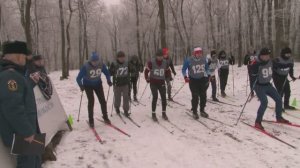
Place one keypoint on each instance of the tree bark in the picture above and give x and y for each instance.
(161, 12)
(138, 41)
(240, 42)
(62, 26)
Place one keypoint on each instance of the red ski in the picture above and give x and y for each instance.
(96, 134)
(114, 127)
(289, 124)
(269, 134)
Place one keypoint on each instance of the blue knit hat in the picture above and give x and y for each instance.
(94, 57)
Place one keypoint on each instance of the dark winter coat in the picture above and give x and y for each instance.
(18, 112)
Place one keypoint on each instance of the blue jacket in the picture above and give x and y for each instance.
(186, 66)
(84, 80)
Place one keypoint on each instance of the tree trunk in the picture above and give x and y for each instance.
(26, 20)
(161, 12)
(62, 25)
(138, 30)
(68, 36)
(279, 26)
(270, 15)
(240, 42)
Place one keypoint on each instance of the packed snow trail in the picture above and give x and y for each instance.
(153, 147)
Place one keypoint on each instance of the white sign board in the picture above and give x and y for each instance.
(52, 118)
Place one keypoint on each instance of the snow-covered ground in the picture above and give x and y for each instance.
(151, 146)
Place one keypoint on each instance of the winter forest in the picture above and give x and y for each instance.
(65, 32)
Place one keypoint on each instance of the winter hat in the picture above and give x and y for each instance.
(94, 57)
(264, 51)
(37, 57)
(159, 52)
(222, 53)
(285, 51)
(165, 51)
(197, 50)
(120, 54)
(14, 47)
(213, 52)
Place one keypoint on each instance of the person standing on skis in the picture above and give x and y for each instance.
(198, 78)
(282, 67)
(213, 66)
(169, 79)
(159, 71)
(224, 61)
(121, 81)
(262, 69)
(136, 67)
(89, 80)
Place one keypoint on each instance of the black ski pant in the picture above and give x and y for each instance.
(223, 74)
(91, 100)
(133, 85)
(283, 90)
(161, 88)
(213, 86)
(251, 80)
(198, 89)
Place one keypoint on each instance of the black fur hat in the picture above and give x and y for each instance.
(15, 47)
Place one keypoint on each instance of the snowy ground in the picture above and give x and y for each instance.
(153, 147)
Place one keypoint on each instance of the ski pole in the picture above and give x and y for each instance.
(112, 106)
(107, 94)
(233, 78)
(247, 84)
(178, 90)
(79, 106)
(144, 91)
(244, 106)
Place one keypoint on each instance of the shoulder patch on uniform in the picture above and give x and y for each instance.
(12, 85)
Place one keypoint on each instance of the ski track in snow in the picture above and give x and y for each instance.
(153, 147)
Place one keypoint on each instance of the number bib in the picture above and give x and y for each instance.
(158, 72)
(122, 70)
(93, 73)
(224, 63)
(284, 71)
(197, 67)
(265, 73)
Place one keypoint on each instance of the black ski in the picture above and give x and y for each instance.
(163, 126)
(131, 120)
(176, 126)
(221, 102)
(122, 119)
(269, 134)
(95, 133)
(189, 114)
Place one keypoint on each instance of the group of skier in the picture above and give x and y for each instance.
(198, 71)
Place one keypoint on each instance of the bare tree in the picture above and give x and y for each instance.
(63, 47)
(161, 13)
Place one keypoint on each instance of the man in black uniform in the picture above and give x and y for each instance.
(172, 68)
(18, 112)
(249, 59)
(136, 67)
(282, 67)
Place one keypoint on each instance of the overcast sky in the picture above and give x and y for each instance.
(111, 2)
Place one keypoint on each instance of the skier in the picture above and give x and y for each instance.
(159, 71)
(262, 69)
(282, 67)
(121, 81)
(136, 67)
(224, 61)
(89, 80)
(198, 79)
(248, 60)
(18, 112)
(169, 79)
(213, 66)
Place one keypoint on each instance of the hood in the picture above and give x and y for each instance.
(4, 65)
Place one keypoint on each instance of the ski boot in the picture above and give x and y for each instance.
(118, 111)
(135, 98)
(154, 118)
(91, 123)
(170, 98)
(195, 116)
(259, 126)
(223, 94)
(215, 99)
(203, 114)
(288, 107)
(106, 120)
(126, 113)
(282, 120)
(164, 116)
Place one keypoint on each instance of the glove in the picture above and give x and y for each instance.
(81, 88)
(186, 79)
(148, 80)
(294, 79)
(212, 78)
(174, 73)
(109, 83)
(171, 79)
